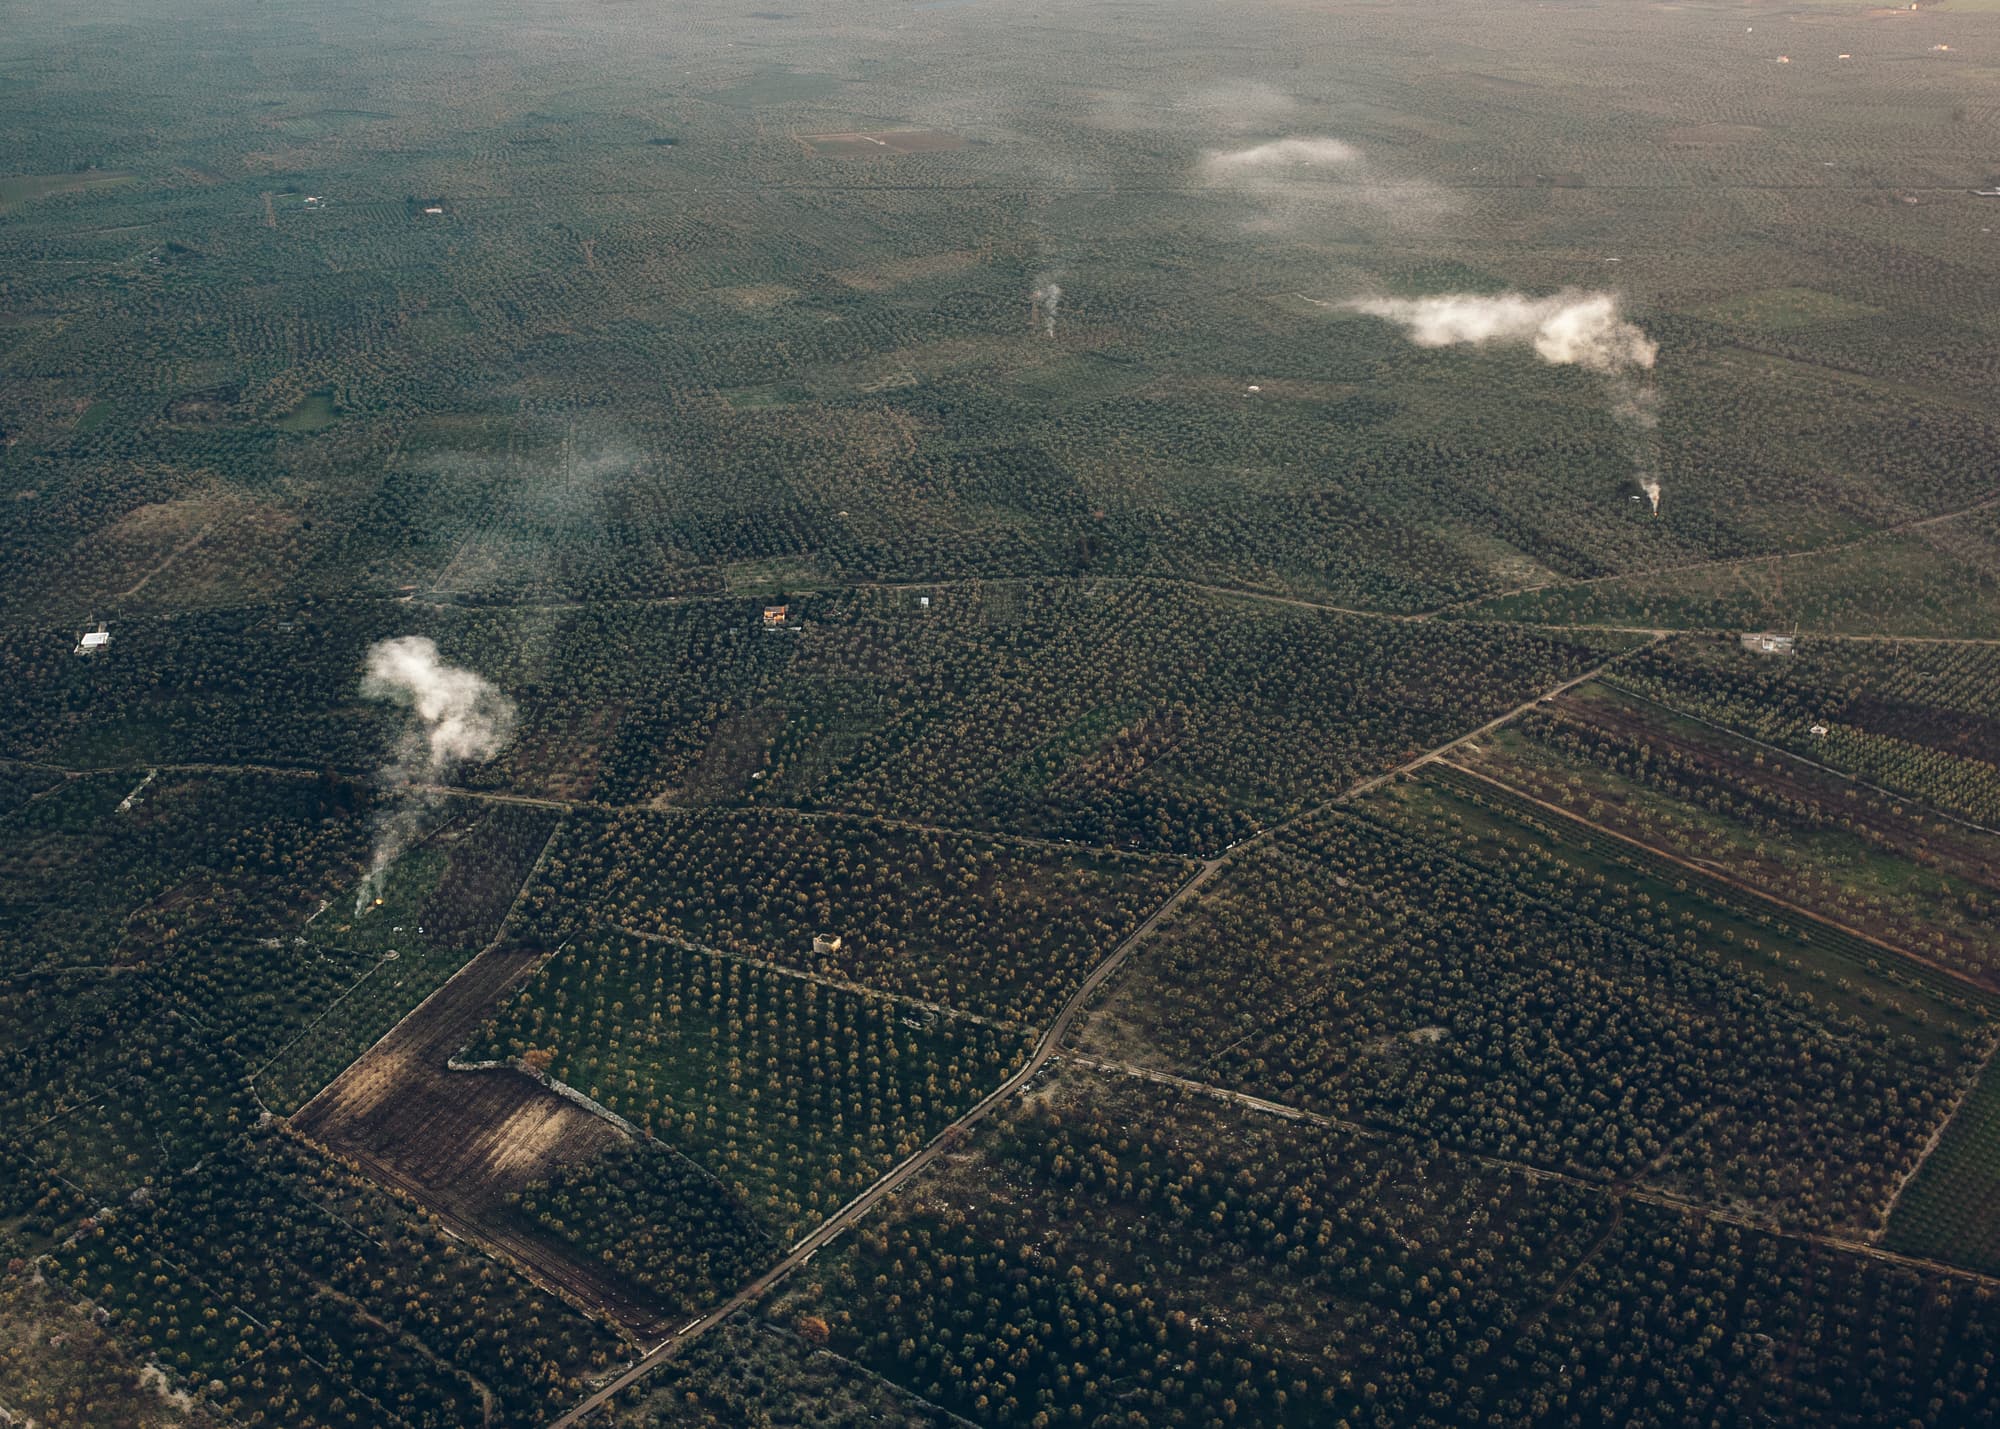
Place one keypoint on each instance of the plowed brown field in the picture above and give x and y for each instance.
(460, 1142)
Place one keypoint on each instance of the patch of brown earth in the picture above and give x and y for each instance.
(460, 1143)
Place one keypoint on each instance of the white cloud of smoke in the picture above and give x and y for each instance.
(1298, 178)
(1047, 296)
(1281, 156)
(456, 717)
(1566, 329)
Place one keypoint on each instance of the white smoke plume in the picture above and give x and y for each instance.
(1282, 156)
(1046, 298)
(1566, 329)
(455, 717)
(1299, 179)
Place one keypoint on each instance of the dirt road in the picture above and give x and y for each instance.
(899, 1175)
(460, 1142)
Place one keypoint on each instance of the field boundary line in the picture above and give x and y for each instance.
(399, 1187)
(821, 980)
(1046, 1049)
(1616, 1191)
(1937, 1137)
(499, 935)
(1778, 749)
(1368, 785)
(289, 771)
(306, 1031)
(839, 1222)
(957, 831)
(167, 560)
(1915, 523)
(1734, 884)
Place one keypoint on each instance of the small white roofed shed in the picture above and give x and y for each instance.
(93, 640)
(1767, 643)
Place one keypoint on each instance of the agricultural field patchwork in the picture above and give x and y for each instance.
(755, 1372)
(1312, 1274)
(1922, 891)
(1916, 719)
(287, 1249)
(1934, 579)
(1436, 964)
(795, 1096)
(1139, 717)
(969, 924)
(1943, 1210)
(960, 714)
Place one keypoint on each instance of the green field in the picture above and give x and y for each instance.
(1945, 1211)
(20, 189)
(315, 412)
(806, 1100)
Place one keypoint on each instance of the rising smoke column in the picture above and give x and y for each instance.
(1046, 297)
(455, 717)
(1566, 329)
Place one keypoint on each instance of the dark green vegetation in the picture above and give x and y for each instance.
(658, 1217)
(1630, 1062)
(1443, 968)
(334, 1305)
(1940, 578)
(174, 961)
(1916, 719)
(97, 873)
(1000, 929)
(1120, 1254)
(443, 900)
(1726, 809)
(1156, 716)
(751, 1372)
(531, 393)
(1131, 715)
(795, 1094)
(1946, 1211)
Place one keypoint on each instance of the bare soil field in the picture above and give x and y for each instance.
(461, 1142)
